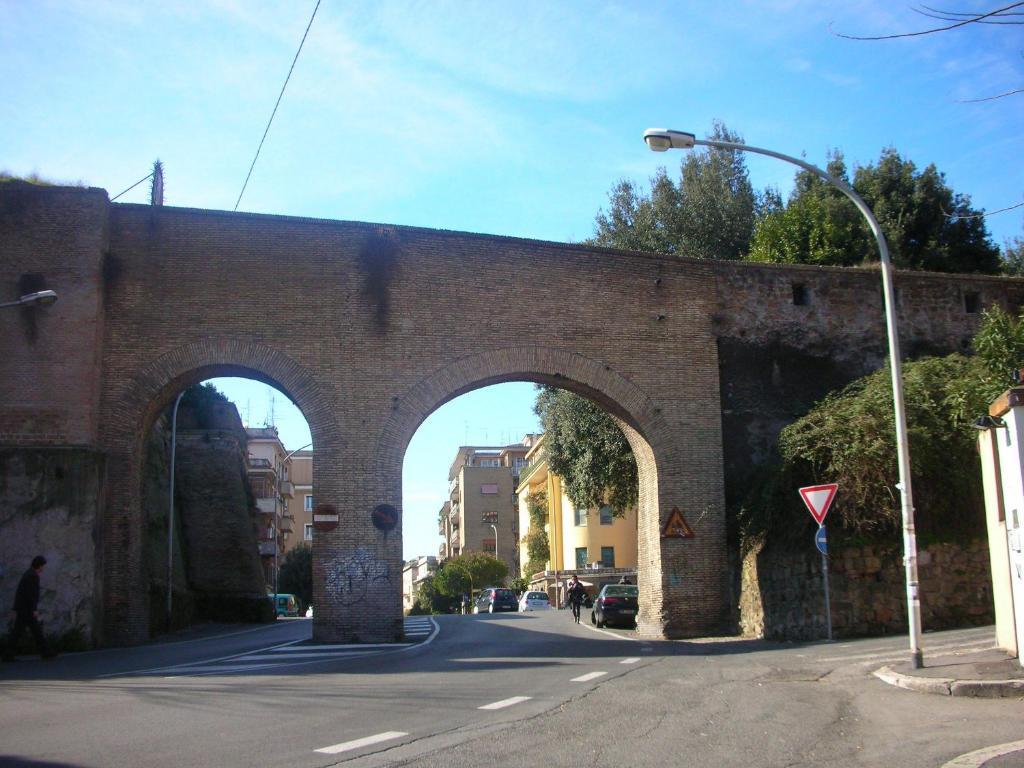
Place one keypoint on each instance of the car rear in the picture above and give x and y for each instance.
(619, 604)
(535, 601)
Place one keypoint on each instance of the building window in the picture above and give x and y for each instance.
(488, 517)
(607, 517)
(308, 503)
(607, 557)
(581, 557)
(490, 462)
(489, 489)
(581, 516)
(307, 532)
(972, 302)
(800, 296)
(488, 546)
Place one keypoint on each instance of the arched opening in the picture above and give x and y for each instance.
(478, 480)
(216, 568)
(237, 543)
(636, 416)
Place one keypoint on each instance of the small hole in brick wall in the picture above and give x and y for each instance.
(972, 302)
(801, 297)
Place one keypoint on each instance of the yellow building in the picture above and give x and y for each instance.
(578, 538)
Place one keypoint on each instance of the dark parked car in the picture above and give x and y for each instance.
(494, 599)
(616, 604)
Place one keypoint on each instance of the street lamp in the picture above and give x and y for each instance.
(662, 139)
(41, 298)
(495, 529)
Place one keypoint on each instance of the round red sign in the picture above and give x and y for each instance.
(325, 518)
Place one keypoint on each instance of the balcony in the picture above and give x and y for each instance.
(266, 506)
(453, 489)
(287, 489)
(267, 548)
(287, 524)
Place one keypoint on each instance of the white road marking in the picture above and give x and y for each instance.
(325, 655)
(981, 756)
(339, 647)
(587, 677)
(345, 746)
(630, 660)
(506, 702)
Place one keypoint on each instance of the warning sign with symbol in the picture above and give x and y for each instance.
(676, 526)
(818, 499)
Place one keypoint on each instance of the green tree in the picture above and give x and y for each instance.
(587, 449)
(538, 548)
(296, 575)
(926, 224)
(429, 600)
(999, 346)
(708, 214)
(1013, 257)
(469, 571)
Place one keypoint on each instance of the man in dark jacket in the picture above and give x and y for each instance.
(26, 611)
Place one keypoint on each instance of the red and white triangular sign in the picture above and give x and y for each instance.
(818, 499)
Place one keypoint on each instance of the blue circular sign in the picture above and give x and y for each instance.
(821, 540)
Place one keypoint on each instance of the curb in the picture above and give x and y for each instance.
(947, 686)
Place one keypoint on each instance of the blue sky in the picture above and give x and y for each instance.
(512, 118)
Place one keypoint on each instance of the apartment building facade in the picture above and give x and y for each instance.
(480, 514)
(413, 573)
(269, 477)
(300, 506)
(579, 538)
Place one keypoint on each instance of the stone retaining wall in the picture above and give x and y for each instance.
(781, 595)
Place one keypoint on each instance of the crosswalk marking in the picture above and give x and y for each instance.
(416, 630)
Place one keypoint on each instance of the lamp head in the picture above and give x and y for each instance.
(988, 422)
(662, 139)
(42, 298)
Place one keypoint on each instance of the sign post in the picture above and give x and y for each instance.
(818, 498)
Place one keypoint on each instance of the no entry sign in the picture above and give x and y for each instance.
(818, 499)
(325, 518)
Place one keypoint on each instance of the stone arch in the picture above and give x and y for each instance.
(128, 413)
(639, 417)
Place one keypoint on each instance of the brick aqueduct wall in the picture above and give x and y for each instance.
(368, 329)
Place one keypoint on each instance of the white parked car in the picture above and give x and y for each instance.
(534, 601)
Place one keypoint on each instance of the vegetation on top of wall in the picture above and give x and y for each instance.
(849, 438)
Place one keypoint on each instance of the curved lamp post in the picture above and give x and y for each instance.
(662, 139)
(40, 298)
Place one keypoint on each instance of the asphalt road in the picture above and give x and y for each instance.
(505, 689)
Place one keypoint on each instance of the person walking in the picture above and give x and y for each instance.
(575, 596)
(26, 612)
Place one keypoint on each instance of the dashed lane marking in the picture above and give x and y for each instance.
(506, 702)
(630, 660)
(588, 677)
(367, 741)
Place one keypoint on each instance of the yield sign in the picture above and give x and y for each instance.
(818, 499)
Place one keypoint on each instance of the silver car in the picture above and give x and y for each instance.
(534, 601)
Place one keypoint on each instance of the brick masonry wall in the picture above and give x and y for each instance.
(49, 505)
(400, 320)
(782, 595)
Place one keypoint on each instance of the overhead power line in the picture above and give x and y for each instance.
(271, 120)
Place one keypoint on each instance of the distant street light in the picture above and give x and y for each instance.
(662, 139)
(40, 298)
(495, 529)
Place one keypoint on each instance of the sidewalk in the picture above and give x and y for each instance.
(989, 674)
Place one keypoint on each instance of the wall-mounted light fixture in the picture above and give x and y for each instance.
(37, 298)
(988, 422)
